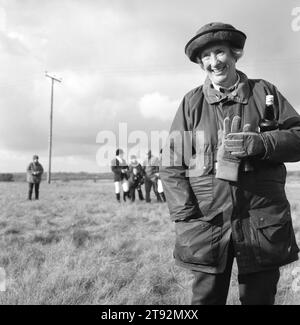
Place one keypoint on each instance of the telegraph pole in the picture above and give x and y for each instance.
(53, 78)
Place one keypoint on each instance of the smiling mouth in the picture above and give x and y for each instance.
(218, 71)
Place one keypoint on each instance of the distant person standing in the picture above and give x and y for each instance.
(151, 168)
(160, 189)
(34, 176)
(136, 178)
(120, 169)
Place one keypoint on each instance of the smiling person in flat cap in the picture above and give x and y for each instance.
(225, 184)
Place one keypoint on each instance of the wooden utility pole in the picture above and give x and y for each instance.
(53, 78)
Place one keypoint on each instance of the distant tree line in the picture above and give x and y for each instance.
(6, 177)
(65, 177)
(58, 176)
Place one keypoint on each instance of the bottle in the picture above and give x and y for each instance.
(268, 123)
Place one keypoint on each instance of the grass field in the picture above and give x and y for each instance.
(77, 245)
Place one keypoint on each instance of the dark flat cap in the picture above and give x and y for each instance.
(211, 33)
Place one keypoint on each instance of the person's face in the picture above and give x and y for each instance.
(35, 160)
(219, 64)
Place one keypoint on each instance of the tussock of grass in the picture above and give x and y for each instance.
(77, 245)
(80, 237)
(51, 237)
(12, 231)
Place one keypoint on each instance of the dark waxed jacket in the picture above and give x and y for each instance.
(34, 172)
(136, 179)
(119, 169)
(207, 211)
(151, 167)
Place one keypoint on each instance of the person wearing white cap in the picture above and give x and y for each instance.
(223, 174)
(136, 178)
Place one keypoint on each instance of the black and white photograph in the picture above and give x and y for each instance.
(149, 155)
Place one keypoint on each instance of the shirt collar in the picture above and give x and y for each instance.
(227, 90)
(119, 159)
(134, 164)
(240, 93)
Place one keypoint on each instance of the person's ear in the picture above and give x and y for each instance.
(199, 61)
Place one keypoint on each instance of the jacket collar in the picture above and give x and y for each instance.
(134, 164)
(240, 95)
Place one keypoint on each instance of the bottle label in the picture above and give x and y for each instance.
(269, 100)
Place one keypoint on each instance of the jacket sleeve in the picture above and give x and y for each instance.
(41, 170)
(173, 170)
(144, 163)
(141, 170)
(29, 169)
(156, 165)
(113, 166)
(283, 145)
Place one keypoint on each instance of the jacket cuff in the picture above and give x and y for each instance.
(265, 142)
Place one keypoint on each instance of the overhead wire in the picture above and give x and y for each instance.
(146, 70)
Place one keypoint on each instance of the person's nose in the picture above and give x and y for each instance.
(213, 60)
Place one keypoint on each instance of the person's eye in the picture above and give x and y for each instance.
(204, 57)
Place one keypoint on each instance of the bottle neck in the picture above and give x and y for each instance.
(269, 113)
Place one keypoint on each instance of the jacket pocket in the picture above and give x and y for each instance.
(272, 237)
(200, 164)
(202, 187)
(198, 242)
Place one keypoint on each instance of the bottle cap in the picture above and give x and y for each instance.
(269, 100)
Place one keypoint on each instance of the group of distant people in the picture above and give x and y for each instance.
(129, 178)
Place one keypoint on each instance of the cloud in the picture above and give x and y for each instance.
(13, 44)
(158, 106)
(2, 20)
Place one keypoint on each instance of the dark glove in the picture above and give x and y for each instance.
(245, 143)
(227, 165)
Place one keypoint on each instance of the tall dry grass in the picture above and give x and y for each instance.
(77, 245)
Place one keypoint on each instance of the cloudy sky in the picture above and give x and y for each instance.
(120, 61)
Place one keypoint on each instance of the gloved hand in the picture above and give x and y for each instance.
(228, 165)
(245, 143)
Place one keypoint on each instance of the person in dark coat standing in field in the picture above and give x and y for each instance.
(120, 169)
(34, 176)
(136, 178)
(224, 175)
(151, 168)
